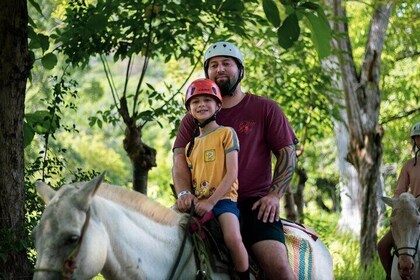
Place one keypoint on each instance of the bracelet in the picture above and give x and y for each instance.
(183, 193)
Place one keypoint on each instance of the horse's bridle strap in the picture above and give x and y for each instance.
(398, 254)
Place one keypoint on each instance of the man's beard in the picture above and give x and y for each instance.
(226, 86)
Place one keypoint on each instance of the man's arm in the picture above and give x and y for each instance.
(181, 176)
(284, 169)
(269, 205)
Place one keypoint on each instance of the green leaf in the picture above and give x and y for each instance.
(320, 32)
(97, 22)
(49, 61)
(289, 31)
(92, 121)
(40, 122)
(28, 134)
(271, 12)
(309, 5)
(37, 7)
(44, 42)
(233, 5)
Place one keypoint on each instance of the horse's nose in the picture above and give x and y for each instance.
(406, 267)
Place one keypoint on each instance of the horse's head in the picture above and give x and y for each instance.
(405, 228)
(61, 231)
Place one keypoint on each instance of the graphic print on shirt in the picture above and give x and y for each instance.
(246, 127)
(210, 155)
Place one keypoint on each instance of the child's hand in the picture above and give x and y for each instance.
(203, 206)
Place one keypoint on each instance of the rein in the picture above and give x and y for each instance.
(70, 261)
(201, 274)
(184, 240)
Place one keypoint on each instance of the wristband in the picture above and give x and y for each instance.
(183, 193)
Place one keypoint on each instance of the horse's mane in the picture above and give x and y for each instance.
(141, 203)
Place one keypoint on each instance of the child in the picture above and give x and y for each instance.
(213, 160)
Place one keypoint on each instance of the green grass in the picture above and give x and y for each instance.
(344, 248)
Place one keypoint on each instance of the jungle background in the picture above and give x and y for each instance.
(92, 86)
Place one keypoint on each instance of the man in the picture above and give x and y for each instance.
(262, 129)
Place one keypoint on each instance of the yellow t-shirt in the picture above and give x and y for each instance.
(207, 161)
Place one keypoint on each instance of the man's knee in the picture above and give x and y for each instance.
(271, 253)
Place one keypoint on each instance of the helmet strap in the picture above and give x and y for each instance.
(206, 122)
(233, 88)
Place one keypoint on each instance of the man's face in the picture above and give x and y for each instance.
(224, 72)
(417, 140)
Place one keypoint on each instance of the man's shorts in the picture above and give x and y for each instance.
(254, 230)
(225, 205)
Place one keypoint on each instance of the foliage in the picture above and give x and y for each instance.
(293, 78)
(344, 248)
(288, 32)
(399, 84)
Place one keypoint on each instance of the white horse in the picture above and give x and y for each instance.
(93, 228)
(405, 228)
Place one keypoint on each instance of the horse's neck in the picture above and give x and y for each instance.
(136, 239)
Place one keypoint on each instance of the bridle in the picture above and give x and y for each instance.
(70, 262)
(398, 254)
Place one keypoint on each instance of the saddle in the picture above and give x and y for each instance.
(209, 244)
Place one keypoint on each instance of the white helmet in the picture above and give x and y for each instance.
(223, 49)
(415, 130)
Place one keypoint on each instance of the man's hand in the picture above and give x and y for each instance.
(269, 208)
(185, 202)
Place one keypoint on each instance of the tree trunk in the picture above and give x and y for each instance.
(14, 69)
(289, 205)
(363, 103)
(142, 157)
(303, 177)
(350, 219)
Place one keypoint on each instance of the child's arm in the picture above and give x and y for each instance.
(231, 175)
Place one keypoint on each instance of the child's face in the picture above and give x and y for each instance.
(203, 107)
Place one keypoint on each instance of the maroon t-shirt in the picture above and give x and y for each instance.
(262, 128)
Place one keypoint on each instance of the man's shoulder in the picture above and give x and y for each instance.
(409, 164)
(263, 100)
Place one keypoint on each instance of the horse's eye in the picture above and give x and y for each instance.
(72, 239)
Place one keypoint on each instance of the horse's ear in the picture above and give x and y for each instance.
(86, 192)
(389, 201)
(45, 191)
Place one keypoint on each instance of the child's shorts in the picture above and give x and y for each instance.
(225, 205)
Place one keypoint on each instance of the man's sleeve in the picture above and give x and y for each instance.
(185, 132)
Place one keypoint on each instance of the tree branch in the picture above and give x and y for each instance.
(400, 115)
